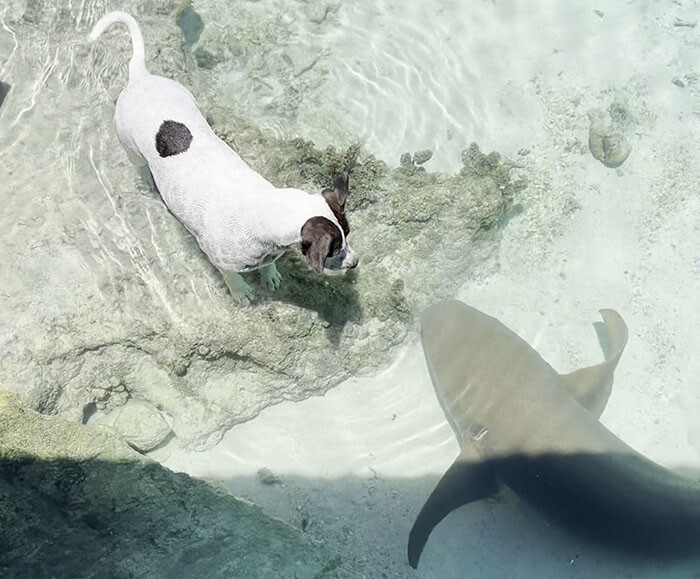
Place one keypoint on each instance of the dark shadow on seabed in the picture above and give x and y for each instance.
(501, 537)
(130, 519)
(368, 520)
(92, 518)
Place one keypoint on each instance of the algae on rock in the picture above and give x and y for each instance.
(107, 298)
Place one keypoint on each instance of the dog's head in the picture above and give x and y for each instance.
(324, 242)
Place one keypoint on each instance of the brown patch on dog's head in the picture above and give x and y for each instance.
(336, 198)
(320, 239)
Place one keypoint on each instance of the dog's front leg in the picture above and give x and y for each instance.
(270, 276)
(238, 287)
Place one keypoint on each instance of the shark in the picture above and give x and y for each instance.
(521, 424)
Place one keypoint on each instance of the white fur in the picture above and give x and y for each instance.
(240, 220)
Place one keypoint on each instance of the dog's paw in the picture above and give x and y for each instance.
(243, 296)
(241, 292)
(271, 277)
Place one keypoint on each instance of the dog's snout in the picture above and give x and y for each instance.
(351, 259)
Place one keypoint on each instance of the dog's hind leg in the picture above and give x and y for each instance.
(270, 276)
(147, 176)
(142, 167)
(144, 171)
(240, 290)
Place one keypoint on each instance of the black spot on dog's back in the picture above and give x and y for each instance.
(172, 138)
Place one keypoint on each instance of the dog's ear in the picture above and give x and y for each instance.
(319, 239)
(339, 194)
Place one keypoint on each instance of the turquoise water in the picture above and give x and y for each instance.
(315, 402)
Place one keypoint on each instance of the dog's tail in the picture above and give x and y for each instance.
(137, 64)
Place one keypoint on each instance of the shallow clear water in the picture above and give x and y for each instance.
(106, 300)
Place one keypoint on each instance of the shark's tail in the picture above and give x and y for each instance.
(137, 64)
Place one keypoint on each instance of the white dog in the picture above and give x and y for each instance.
(240, 220)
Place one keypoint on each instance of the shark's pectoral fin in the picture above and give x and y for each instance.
(592, 386)
(469, 479)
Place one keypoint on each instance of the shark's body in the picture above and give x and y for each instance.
(522, 424)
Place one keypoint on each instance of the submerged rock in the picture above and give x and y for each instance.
(267, 477)
(191, 24)
(76, 501)
(108, 298)
(412, 163)
(139, 423)
(608, 135)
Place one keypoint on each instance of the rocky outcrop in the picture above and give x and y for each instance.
(75, 501)
(108, 299)
(140, 424)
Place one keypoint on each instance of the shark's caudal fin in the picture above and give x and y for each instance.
(468, 479)
(137, 64)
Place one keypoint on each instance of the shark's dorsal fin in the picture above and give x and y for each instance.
(591, 386)
(470, 478)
